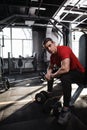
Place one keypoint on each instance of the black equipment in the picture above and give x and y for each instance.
(52, 107)
(4, 83)
(41, 97)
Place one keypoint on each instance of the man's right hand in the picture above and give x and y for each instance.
(48, 76)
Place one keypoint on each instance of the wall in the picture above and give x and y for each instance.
(38, 33)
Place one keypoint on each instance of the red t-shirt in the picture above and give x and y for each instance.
(65, 52)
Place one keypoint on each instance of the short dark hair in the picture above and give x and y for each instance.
(46, 40)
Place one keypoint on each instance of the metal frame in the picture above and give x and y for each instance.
(77, 93)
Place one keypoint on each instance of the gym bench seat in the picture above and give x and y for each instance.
(77, 92)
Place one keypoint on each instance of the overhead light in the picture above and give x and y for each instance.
(29, 23)
(35, 0)
(33, 9)
(40, 8)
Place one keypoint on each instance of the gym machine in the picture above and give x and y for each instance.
(4, 82)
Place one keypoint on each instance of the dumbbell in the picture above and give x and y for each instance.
(41, 97)
(56, 109)
(6, 83)
(52, 106)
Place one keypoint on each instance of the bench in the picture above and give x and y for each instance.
(79, 89)
(77, 92)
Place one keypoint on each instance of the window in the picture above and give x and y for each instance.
(21, 43)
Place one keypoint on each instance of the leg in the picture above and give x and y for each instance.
(66, 80)
(50, 85)
(66, 86)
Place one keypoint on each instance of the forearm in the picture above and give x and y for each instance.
(59, 72)
(49, 70)
(48, 74)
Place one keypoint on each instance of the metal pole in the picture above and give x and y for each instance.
(0, 61)
(11, 41)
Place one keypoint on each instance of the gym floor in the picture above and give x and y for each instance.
(18, 109)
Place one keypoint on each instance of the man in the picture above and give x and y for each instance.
(70, 71)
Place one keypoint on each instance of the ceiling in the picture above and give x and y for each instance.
(73, 12)
(20, 12)
(42, 12)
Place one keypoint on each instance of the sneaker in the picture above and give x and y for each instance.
(64, 117)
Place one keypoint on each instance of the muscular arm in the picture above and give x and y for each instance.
(65, 67)
(49, 72)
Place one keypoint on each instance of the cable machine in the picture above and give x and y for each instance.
(4, 82)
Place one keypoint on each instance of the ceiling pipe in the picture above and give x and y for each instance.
(39, 7)
(13, 18)
(75, 12)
